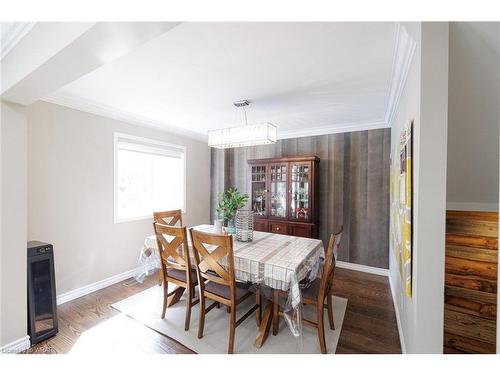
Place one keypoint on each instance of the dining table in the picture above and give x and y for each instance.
(274, 263)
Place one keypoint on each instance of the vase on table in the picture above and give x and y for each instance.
(231, 229)
(244, 225)
(218, 222)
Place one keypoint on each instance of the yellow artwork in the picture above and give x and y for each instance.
(401, 205)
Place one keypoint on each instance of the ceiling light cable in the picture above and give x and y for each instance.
(246, 120)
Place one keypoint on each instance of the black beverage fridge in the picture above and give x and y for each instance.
(42, 307)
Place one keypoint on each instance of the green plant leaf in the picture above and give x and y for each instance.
(231, 201)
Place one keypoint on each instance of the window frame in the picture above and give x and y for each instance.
(116, 137)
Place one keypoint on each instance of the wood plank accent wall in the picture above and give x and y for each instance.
(471, 282)
(353, 186)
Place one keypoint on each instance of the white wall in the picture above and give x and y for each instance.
(424, 100)
(13, 227)
(473, 131)
(474, 119)
(70, 179)
(430, 222)
(409, 108)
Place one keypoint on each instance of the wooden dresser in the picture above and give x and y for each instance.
(284, 195)
(470, 282)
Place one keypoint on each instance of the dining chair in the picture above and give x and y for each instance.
(173, 218)
(176, 267)
(321, 289)
(317, 291)
(216, 281)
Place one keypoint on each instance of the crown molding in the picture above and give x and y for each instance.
(98, 109)
(12, 34)
(332, 129)
(117, 114)
(404, 49)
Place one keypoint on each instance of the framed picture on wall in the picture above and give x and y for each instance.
(401, 191)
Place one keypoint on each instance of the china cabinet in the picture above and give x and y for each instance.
(284, 195)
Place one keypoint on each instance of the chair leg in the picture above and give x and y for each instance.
(189, 302)
(321, 328)
(329, 305)
(160, 277)
(228, 309)
(201, 326)
(258, 312)
(165, 299)
(276, 315)
(232, 327)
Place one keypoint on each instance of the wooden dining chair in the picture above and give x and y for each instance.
(321, 289)
(172, 218)
(176, 267)
(316, 292)
(216, 281)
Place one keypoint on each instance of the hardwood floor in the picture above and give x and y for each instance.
(370, 322)
(90, 325)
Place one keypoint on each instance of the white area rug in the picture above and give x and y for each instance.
(146, 307)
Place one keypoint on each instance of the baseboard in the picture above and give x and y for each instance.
(472, 206)
(16, 346)
(362, 268)
(87, 289)
(398, 318)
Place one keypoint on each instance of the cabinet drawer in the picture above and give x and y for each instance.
(277, 227)
(261, 226)
(301, 230)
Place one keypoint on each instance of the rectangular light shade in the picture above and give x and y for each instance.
(240, 136)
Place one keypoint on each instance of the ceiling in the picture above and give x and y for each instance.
(306, 78)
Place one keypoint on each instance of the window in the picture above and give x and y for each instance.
(149, 177)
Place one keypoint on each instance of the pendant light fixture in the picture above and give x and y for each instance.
(240, 136)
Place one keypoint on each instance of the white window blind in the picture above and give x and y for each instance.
(149, 176)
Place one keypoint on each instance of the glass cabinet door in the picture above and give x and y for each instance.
(278, 198)
(259, 190)
(300, 181)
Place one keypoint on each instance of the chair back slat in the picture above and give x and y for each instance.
(329, 263)
(174, 250)
(172, 218)
(216, 279)
(214, 257)
(170, 250)
(210, 261)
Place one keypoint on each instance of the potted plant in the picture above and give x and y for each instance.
(229, 202)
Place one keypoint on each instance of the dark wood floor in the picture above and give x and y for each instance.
(90, 325)
(370, 321)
